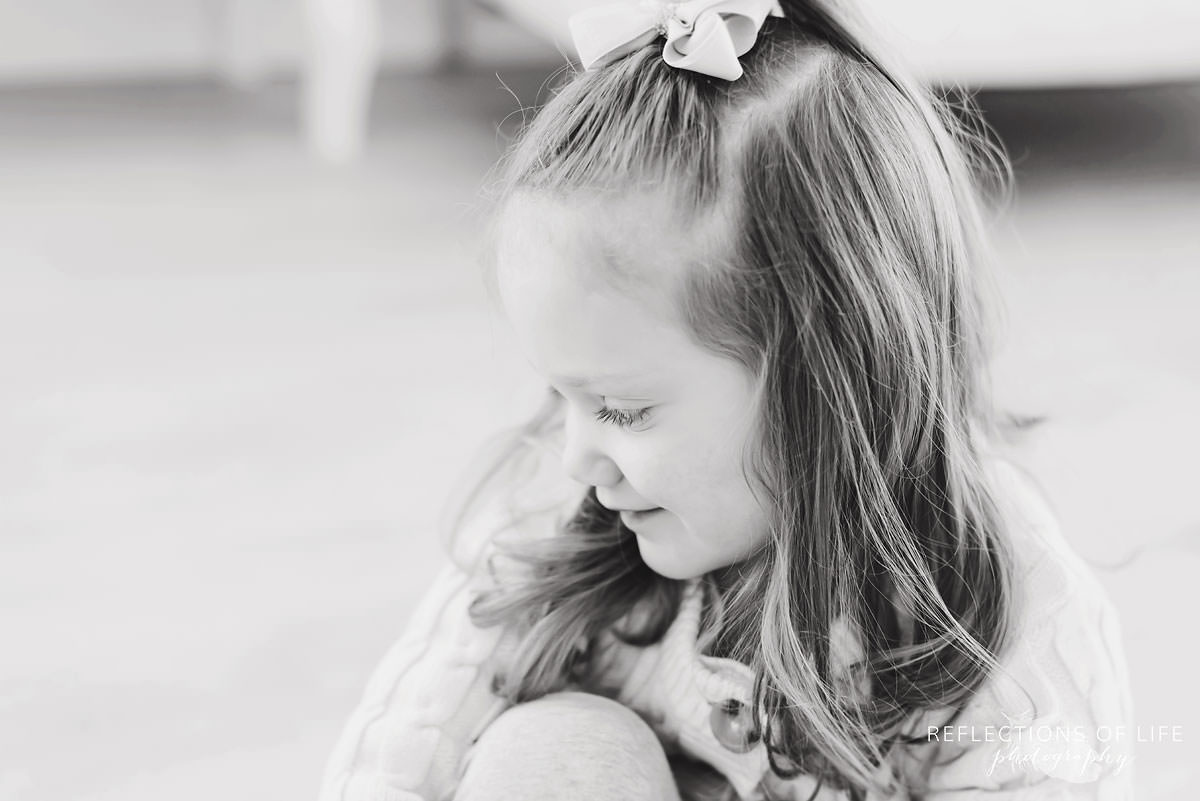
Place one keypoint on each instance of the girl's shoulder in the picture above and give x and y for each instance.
(1033, 527)
(1059, 604)
(1059, 711)
(1053, 586)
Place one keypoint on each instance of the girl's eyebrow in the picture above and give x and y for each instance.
(583, 383)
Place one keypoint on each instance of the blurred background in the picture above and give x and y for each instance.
(245, 350)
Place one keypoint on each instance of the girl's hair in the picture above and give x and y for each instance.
(848, 284)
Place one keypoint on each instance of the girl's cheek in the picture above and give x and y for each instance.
(676, 475)
(640, 469)
(648, 471)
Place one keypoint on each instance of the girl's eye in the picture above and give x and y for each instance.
(622, 418)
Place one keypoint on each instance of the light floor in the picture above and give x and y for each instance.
(235, 386)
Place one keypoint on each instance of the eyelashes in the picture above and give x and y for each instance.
(621, 418)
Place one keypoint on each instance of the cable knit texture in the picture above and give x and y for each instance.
(1064, 676)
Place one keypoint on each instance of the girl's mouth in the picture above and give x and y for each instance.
(629, 518)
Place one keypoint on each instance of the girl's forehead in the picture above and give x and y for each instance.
(576, 309)
(634, 243)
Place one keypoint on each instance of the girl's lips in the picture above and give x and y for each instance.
(629, 517)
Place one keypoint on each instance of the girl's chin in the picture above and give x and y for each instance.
(667, 569)
(663, 557)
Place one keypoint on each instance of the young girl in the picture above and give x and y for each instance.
(773, 553)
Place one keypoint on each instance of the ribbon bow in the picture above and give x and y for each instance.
(705, 36)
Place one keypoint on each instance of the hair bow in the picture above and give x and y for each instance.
(705, 36)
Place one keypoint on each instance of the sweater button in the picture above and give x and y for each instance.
(733, 726)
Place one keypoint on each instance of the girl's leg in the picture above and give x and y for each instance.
(567, 746)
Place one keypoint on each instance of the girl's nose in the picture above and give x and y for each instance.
(583, 460)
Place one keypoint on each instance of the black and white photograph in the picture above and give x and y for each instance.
(599, 400)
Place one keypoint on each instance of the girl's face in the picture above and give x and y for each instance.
(654, 422)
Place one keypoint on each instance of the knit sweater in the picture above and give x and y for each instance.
(1064, 676)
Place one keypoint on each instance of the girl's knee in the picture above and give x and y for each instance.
(565, 713)
(568, 745)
